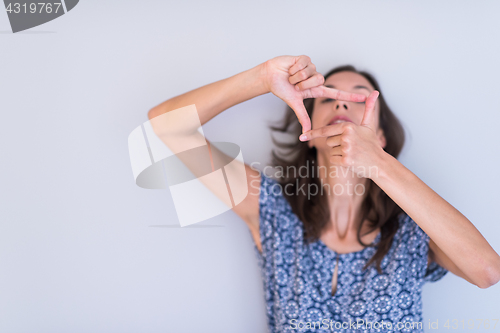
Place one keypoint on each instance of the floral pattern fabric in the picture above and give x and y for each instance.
(297, 277)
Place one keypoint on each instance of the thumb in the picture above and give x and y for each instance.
(369, 116)
(301, 113)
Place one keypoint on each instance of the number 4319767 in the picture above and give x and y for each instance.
(46, 7)
(470, 324)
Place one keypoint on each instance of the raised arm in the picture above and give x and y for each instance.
(210, 100)
(283, 76)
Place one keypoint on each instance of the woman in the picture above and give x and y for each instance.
(351, 252)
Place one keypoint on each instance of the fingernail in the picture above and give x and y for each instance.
(303, 137)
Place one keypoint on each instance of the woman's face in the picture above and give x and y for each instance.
(328, 111)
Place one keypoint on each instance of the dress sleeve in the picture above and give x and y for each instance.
(269, 190)
(418, 247)
(281, 233)
(269, 239)
(267, 203)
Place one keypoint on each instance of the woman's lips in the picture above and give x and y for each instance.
(339, 119)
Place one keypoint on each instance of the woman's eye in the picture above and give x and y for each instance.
(327, 100)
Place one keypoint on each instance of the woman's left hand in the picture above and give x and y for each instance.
(352, 145)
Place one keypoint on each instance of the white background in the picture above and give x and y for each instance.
(79, 250)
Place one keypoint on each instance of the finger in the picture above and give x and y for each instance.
(302, 115)
(333, 141)
(338, 94)
(336, 151)
(369, 116)
(303, 74)
(325, 131)
(314, 81)
(301, 62)
(336, 160)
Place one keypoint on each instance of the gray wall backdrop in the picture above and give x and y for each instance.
(79, 246)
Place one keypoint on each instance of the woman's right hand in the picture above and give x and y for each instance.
(294, 78)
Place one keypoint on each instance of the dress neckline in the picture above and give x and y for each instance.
(341, 255)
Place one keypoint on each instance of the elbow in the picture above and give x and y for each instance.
(152, 113)
(490, 276)
(159, 110)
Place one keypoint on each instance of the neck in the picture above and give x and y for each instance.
(346, 192)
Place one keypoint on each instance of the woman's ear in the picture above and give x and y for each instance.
(381, 137)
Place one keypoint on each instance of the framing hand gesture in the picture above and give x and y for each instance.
(294, 79)
(353, 145)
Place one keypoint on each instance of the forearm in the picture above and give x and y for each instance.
(212, 99)
(452, 232)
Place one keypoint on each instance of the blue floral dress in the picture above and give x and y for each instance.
(298, 277)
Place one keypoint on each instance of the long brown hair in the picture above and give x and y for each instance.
(378, 208)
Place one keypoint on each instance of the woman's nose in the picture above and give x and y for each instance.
(341, 105)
